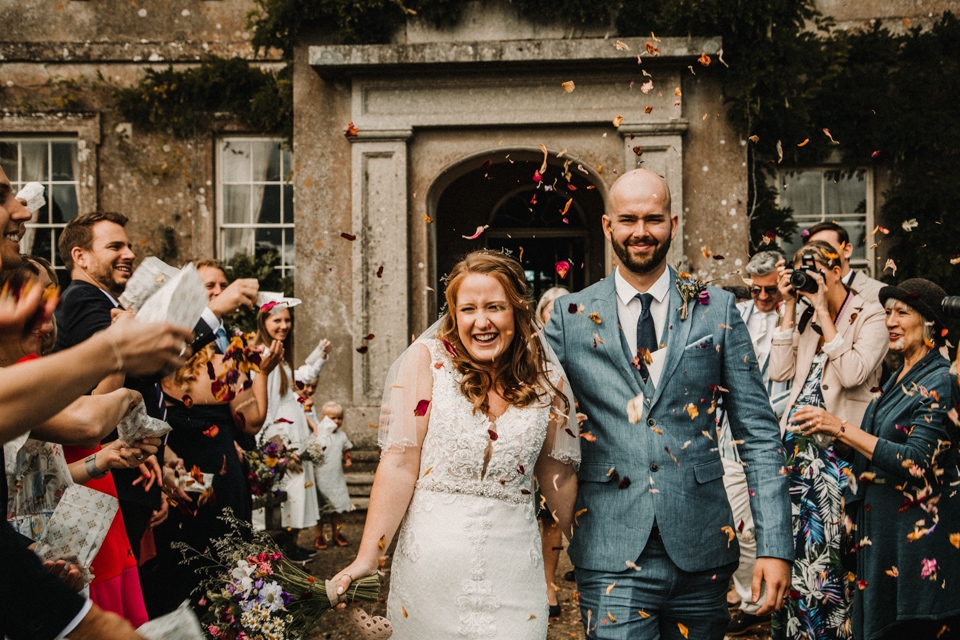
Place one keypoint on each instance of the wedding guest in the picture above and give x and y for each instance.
(551, 538)
(471, 411)
(833, 353)
(285, 418)
(837, 237)
(904, 502)
(760, 316)
(203, 424)
(331, 482)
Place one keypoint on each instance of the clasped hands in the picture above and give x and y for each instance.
(809, 420)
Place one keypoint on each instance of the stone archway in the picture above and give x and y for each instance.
(541, 222)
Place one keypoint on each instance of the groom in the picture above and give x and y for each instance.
(655, 544)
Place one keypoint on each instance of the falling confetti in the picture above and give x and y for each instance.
(910, 225)
(647, 86)
(704, 59)
(477, 233)
(891, 265)
(622, 46)
(635, 409)
(617, 121)
(351, 131)
(568, 86)
(348, 236)
(826, 132)
(563, 268)
(421, 409)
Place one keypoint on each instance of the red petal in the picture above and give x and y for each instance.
(422, 407)
(212, 431)
(348, 236)
(493, 434)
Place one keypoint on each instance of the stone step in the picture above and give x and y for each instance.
(359, 483)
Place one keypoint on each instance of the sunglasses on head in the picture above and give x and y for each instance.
(755, 291)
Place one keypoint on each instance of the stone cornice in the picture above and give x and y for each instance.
(352, 59)
(123, 52)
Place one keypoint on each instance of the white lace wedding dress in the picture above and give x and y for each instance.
(468, 562)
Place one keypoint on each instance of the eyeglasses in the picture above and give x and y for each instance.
(770, 291)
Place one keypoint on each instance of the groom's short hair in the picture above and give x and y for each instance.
(763, 262)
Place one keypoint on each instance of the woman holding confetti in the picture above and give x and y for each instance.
(904, 483)
(285, 417)
(834, 356)
(471, 412)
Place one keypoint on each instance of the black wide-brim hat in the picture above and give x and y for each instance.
(923, 296)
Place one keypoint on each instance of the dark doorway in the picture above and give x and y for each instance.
(551, 225)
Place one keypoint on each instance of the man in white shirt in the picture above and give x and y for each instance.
(760, 315)
(838, 238)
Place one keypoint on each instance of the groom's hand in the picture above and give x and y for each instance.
(774, 574)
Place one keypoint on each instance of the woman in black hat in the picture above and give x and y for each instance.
(904, 498)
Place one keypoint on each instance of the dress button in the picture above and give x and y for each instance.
(654, 467)
(826, 387)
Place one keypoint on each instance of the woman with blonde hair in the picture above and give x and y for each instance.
(472, 411)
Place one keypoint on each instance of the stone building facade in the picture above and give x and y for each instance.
(453, 128)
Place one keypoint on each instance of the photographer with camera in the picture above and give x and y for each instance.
(834, 353)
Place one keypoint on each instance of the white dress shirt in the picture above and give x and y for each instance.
(761, 327)
(628, 312)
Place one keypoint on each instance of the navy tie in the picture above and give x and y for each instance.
(646, 332)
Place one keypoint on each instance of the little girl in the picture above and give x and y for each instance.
(330, 481)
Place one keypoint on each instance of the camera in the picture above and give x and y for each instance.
(951, 306)
(801, 278)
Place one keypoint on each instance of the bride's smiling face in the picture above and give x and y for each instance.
(484, 317)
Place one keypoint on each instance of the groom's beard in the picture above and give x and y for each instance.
(642, 266)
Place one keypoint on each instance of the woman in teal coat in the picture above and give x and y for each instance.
(904, 499)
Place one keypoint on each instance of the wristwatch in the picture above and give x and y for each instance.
(90, 464)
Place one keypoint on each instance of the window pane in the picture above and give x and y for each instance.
(44, 243)
(800, 190)
(288, 203)
(54, 256)
(236, 203)
(846, 194)
(270, 205)
(288, 247)
(64, 160)
(8, 160)
(34, 162)
(267, 240)
(266, 161)
(64, 206)
(236, 161)
(287, 165)
(236, 241)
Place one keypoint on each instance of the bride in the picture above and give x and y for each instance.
(473, 413)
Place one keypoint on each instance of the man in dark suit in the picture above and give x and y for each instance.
(96, 250)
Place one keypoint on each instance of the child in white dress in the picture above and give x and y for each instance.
(331, 482)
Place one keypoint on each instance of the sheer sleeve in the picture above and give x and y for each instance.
(407, 395)
(564, 429)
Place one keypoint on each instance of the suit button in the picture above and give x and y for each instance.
(651, 422)
(654, 467)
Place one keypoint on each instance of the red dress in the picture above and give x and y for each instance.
(116, 582)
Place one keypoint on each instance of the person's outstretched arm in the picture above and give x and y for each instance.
(34, 391)
(397, 473)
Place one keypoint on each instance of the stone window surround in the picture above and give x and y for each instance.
(389, 86)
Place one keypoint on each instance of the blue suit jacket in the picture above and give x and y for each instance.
(667, 468)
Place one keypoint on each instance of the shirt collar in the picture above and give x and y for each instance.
(626, 291)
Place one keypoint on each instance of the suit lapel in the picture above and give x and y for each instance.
(614, 343)
(675, 335)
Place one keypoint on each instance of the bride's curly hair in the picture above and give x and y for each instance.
(520, 373)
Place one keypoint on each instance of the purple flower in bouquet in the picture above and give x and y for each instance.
(704, 297)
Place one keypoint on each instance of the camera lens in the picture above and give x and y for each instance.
(800, 280)
(951, 306)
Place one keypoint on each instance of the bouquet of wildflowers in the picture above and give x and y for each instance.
(267, 464)
(252, 591)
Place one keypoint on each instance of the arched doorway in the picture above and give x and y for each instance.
(555, 219)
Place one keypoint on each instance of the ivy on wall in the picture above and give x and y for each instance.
(194, 102)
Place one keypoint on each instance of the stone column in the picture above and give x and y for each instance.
(380, 267)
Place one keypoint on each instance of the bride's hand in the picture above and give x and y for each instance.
(357, 569)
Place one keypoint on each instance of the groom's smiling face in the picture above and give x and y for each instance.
(639, 225)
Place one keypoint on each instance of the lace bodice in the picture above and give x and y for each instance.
(454, 455)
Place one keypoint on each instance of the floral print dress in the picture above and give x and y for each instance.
(818, 606)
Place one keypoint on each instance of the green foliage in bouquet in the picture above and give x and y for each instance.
(252, 591)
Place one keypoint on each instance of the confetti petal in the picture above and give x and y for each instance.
(477, 233)
(568, 86)
(421, 409)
